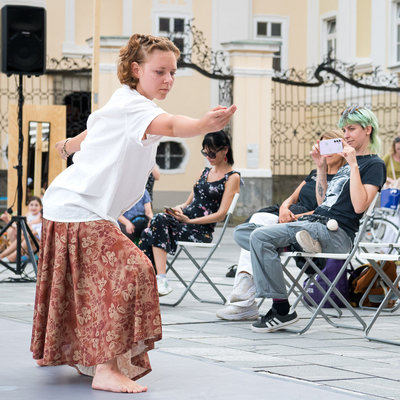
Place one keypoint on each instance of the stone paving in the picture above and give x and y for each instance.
(325, 357)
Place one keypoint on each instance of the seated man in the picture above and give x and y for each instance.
(349, 194)
(242, 302)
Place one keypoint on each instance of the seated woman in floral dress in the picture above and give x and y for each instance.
(195, 219)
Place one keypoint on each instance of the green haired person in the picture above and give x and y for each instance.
(365, 118)
(334, 223)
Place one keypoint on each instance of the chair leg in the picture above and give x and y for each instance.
(188, 287)
(393, 289)
(326, 297)
(175, 272)
(302, 293)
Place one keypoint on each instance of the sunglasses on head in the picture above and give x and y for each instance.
(350, 110)
(210, 154)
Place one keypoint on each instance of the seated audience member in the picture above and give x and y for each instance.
(154, 176)
(34, 221)
(348, 195)
(195, 219)
(133, 221)
(242, 302)
(392, 162)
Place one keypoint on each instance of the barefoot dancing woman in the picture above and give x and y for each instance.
(96, 304)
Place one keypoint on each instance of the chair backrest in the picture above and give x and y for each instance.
(228, 216)
(233, 204)
(363, 224)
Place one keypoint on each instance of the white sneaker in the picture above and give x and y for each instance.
(308, 244)
(236, 313)
(244, 289)
(163, 286)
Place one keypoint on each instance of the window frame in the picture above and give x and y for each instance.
(331, 37)
(394, 52)
(325, 36)
(283, 39)
(171, 25)
(185, 159)
(171, 15)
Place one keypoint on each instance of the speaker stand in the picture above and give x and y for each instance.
(19, 220)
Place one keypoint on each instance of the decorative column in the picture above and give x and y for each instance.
(251, 62)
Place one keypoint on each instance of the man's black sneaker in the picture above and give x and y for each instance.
(272, 321)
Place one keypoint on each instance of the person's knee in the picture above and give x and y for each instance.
(237, 233)
(259, 235)
(264, 219)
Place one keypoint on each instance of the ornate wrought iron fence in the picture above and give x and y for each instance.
(212, 64)
(307, 103)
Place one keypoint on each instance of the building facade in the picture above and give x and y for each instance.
(245, 44)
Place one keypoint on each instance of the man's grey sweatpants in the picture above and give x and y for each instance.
(263, 243)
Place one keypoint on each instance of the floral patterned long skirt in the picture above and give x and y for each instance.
(96, 299)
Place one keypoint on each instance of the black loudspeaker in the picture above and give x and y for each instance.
(23, 40)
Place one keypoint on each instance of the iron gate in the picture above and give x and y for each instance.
(211, 64)
(307, 103)
(66, 82)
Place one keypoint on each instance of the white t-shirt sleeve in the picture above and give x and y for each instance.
(139, 117)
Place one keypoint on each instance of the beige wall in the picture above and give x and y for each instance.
(297, 17)
(327, 5)
(142, 17)
(363, 45)
(84, 21)
(111, 17)
(55, 27)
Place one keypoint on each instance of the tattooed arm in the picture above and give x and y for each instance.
(322, 183)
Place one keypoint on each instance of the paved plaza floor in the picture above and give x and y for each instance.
(202, 357)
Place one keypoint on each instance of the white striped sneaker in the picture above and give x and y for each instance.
(272, 321)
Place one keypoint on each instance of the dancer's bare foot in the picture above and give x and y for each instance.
(108, 377)
(40, 363)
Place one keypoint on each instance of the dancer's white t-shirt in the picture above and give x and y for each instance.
(110, 171)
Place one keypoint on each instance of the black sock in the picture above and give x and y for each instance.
(281, 306)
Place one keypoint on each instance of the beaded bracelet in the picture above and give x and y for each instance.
(64, 149)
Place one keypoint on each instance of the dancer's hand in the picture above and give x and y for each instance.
(217, 118)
